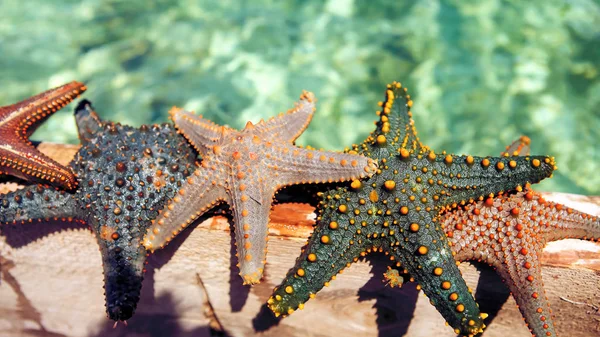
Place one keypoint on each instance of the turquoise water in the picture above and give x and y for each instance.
(481, 73)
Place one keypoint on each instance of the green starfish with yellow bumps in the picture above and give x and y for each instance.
(397, 211)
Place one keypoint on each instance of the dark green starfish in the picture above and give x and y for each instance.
(397, 212)
(125, 175)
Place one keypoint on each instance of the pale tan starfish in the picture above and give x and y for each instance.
(245, 169)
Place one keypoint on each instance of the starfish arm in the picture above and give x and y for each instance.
(419, 244)
(88, 122)
(467, 178)
(395, 127)
(36, 203)
(298, 165)
(199, 193)
(521, 271)
(29, 114)
(23, 161)
(559, 222)
(527, 287)
(519, 147)
(123, 263)
(442, 282)
(203, 134)
(287, 127)
(18, 157)
(332, 247)
(251, 205)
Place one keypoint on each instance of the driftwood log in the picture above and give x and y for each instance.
(51, 285)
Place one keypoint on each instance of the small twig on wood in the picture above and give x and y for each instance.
(595, 307)
(209, 311)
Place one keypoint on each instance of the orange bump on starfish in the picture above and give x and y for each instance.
(18, 157)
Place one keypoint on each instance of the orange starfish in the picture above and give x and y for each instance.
(509, 232)
(18, 157)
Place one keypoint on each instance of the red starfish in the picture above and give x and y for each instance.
(18, 157)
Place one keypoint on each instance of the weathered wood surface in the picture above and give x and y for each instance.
(51, 285)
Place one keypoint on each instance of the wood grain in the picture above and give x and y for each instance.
(51, 285)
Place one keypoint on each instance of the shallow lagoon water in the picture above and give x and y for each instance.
(481, 73)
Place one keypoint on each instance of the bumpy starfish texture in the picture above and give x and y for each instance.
(397, 211)
(245, 169)
(125, 176)
(18, 157)
(509, 232)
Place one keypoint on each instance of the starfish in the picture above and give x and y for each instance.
(18, 157)
(397, 211)
(245, 169)
(509, 232)
(125, 176)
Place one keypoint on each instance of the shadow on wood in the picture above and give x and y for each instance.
(394, 306)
